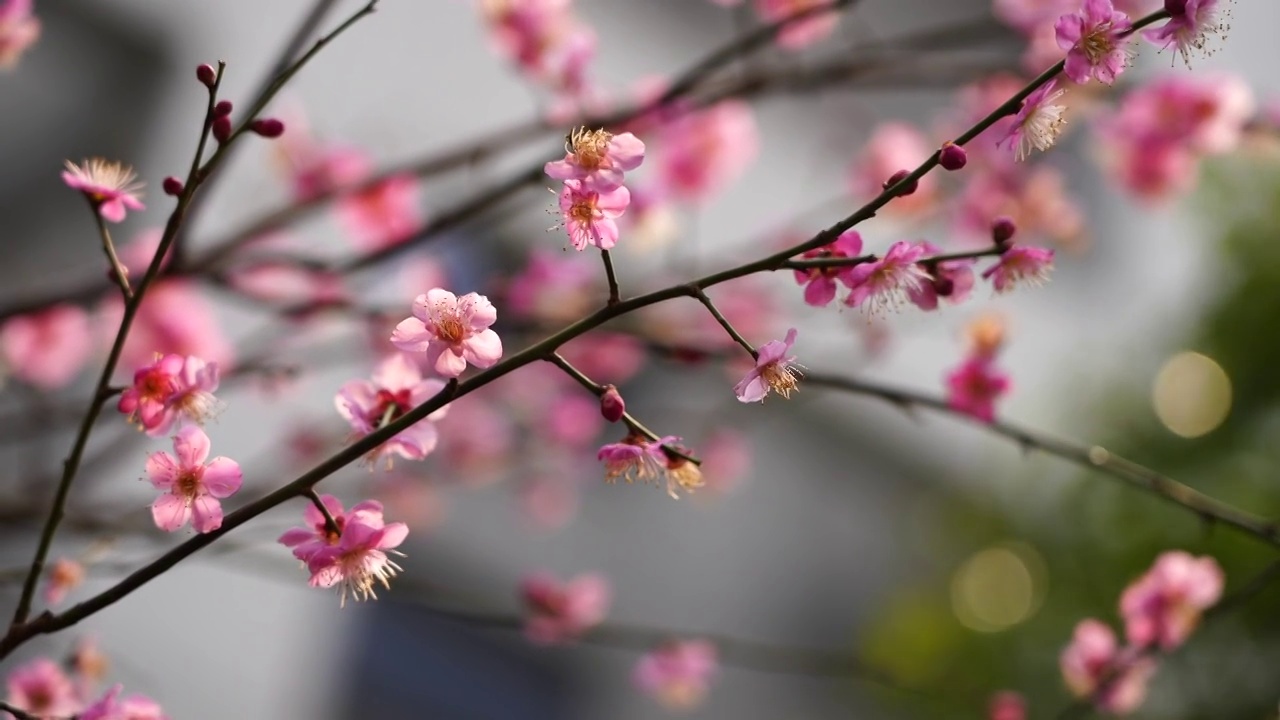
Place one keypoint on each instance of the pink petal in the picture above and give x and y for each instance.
(614, 202)
(482, 350)
(112, 210)
(191, 446)
(170, 512)
(411, 335)
(207, 513)
(162, 470)
(397, 373)
(449, 364)
(393, 535)
(751, 388)
(295, 536)
(478, 311)
(222, 477)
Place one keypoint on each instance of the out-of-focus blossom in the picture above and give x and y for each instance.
(41, 688)
(775, 370)
(1095, 41)
(606, 356)
(170, 389)
(303, 290)
(1034, 197)
(886, 283)
(383, 214)
(1094, 667)
(985, 335)
(1038, 124)
(527, 31)
(1007, 705)
(813, 27)
(1020, 264)
(112, 707)
(598, 159)
(358, 560)
(315, 167)
(949, 279)
(820, 283)
(49, 347)
(19, 30)
(974, 387)
(549, 500)
(560, 612)
(699, 153)
(726, 460)
(1192, 30)
(572, 421)
(176, 318)
(1164, 606)
(89, 664)
(678, 673)
(64, 575)
(192, 487)
(552, 288)
(396, 388)
(110, 186)
(892, 147)
(453, 331)
(590, 217)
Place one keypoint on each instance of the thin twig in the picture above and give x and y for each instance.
(118, 271)
(724, 322)
(614, 295)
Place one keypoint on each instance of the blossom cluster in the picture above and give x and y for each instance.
(593, 196)
(974, 387)
(44, 689)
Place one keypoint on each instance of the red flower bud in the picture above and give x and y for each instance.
(952, 156)
(222, 108)
(172, 186)
(221, 128)
(898, 177)
(206, 75)
(1003, 229)
(267, 127)
(612, 406)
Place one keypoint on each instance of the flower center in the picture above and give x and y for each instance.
(40, 698)
(780, 377)
(1100, 43)
(188, 484)
(590, 147)
(449, 328)
(389, 406)
(156, 385)
(583, 211)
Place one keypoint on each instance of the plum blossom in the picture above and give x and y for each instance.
(1191, 30)
(682, 474)
(950, 279)
(1094, 667)
(64, 576)
(1164, 606)
(775, 370)
(560, 612)
(598, 159)
(527, 31)
(974, 387)
(634, 458)
(176, 318)
(590, 217)
(112, 707)
(307, 541)
(820, 283)
(192, 487)
(1037, 124)
(552, 287)
(678, 673)
(41, 688)
(1095, 41)
(383, 214)
(1020, 264)
(171, 389)
(109, 186)
(701, 152)
(453, 331)
(47, 348)
(885, 283)
(396, 388)
(892, 147)
(19, 30)
(803, 32)
(359, 559)
(1007, 705)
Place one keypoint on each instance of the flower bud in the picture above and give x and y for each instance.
(944, 286)
(1175, 8)
(206, 75)
(221, 128)
(222, 108)
(1003, 229)
(952, 156)
(267, 127)
(898, 177)
(612, 406)
(172, 186)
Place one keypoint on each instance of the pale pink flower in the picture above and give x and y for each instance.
(1020, 264)
(949, 279)
(42, 689)
(726, 456)
(64, 575)
(307, 541)
(568, 76)
(192, 487)
(396, 388)
(112, 707)
(820, 283)
(1038, 123)
(1035, 198)
(302, 289)
(1007, 705)
(1095, 42)
(560, 612)
(549, 500)
(701, 152)
(19, 30)
(1191, 30)
(678, 673)
(1095, 668)
(634, 458)
(974, 387)
(894, 146)
(383, 214)
(552, 288)
(1164, 606)
(598, 159)
(613, 357)
(359, 559)
(527, 31)
(775, 370)
(886, 283)
(177, 318)
(49, 347)
(572, 421)
(590, 217)
(89, 665)
(109, 186)
(453, 331)
(314, 167)
(171, 389)
(795, 35)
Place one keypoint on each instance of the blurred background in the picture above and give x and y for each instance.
(934, 551)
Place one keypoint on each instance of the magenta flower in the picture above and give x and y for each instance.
(1190, 31)
(109, 186)
(384, 214)
(820, 283)
(1007, 705)
(359, 559)
(552, 287)
(677, 673)
(557, 612)
(635, 458)
(169, 390)
(47, 348)
(42, 689)
(885, 283)
(1095, 42)
(1095, 668)
(1164, 606)
(452, 331)
(396, 388)
(1020, 264)
(597, 159)
(775, 370)
(64, 575)
(950, 279)
(19, 30)
(1037, 124)
(112, 707)
(589, 217)
(192, 487)
(176, 318)
(974, 387)
(702, 152)
(307, 541)
(526, 31)
(801, 33)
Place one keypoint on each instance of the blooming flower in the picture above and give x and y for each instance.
(112, 707)
(893, 146)
(1095, 42)
(168, 390)
(109, 186)
(42, 689)
(307, 541)
(176, 318)
(795, 35)
(1007, 705)
(589, 217)
(1163, 606)
(19, 30)
(191, 486)
(383, 214)
(452, 330)
(634, 458)
(1094, 668)
(950, 279)
(677, 673)
(64, 575)
(359, 559)
(396, 388)
(1037, 124)
(974, 387)
(527, 31)
(1190, 30)
(775, 370)
(47, 348)
(561, 612)
(701, 152)
(820, 283)
(1020, 264)
(88, 663)
(885, 283)
(597, 158)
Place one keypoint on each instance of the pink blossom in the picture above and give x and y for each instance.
(974, 387)
(598, 159)
(1095, 42)
(549, 500)
(302, 289)
(950, 279)
(307, 541)
(526, 31)
(88, 663)
(451, 330)
(1037, 124)
(894, 146)
(885, 283)
(109, 186)
(1094, 668)
(1007, 705)
(42, 689)
(176, 318)
(795, 35)
(112, 707)
(396, 388)
(359, 559)
(19, 30)
(1020, 264)
(701, 152)
(1035, 198)
(559, 612)
(589, 217)
(64, 575)
(1190, 31)
(47, 348)
(726, 455)
(192, 487)
(775, 370)
(317, 168)
(820, 283)
(634, 458)
(568, 75)
(552, 288)
(1164, 606)
(172, 388)
(572, 421)
(677, 673)
(383, 214)
(606, 356)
